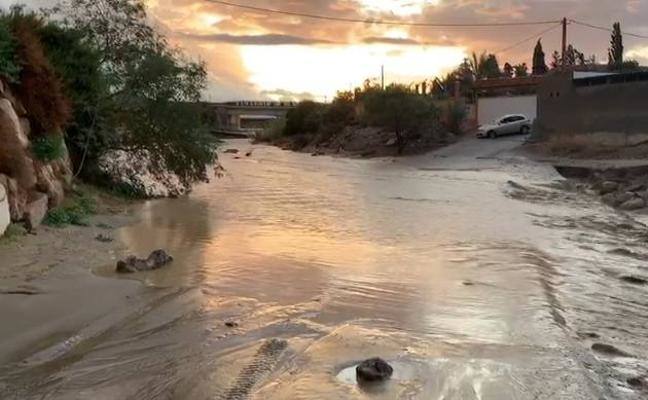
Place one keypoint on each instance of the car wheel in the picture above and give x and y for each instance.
(492, 134)
(525, 130)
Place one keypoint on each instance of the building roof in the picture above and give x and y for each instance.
(508, 83)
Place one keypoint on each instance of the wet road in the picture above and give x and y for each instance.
(477, 273)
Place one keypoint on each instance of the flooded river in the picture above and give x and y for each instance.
(476, 273)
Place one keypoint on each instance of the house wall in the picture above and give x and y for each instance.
(619, 109)
(490, 108)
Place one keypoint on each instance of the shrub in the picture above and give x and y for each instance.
(456, 114)
(40, 90)
(342, 110)
(48, 148)
(76, 212)
(9, 64)
(12, 233)
(306, 118)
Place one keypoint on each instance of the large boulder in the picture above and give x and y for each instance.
(5, 217)
(135, 172)
(47, 182)
(14, 157)
(36, 211)
(12, 122)
(608, 187)
(633, 204)
(155, 260)
(16, 197)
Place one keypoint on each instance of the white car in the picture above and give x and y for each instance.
(506, 125)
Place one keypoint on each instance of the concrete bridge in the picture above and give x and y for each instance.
(246, 118)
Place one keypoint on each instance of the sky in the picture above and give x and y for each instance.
(255, 56)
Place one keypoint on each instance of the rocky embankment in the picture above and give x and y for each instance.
(622, 188)
(29, 187)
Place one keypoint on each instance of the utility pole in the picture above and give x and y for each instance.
(382, 77)
(564, 41)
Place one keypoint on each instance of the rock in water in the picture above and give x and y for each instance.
(373, 370)
(633, 204)
(156, 260)
(635, 280)
(608, 187)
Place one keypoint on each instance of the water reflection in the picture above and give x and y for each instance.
(474, 290)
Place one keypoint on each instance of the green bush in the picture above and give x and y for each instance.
(76, 212)
(154, 89)
(48, 148)
(306, 118)
(9, 64)
(397, 108)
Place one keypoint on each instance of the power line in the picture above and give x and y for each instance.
(535, 36)
(602, 28)
(376, 21)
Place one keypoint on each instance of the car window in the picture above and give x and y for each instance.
(505, 120)
(518, 118)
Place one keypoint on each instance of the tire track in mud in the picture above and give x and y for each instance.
(264, 362)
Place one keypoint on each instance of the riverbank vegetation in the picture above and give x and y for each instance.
(369, 121)
(96, 75)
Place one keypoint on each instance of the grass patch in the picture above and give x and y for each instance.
(48, 148)
(75, 211)
(13, 233)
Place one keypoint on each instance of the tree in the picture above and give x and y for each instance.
(631, 65)
(78, 63)
(485, 66)
(306, 118)
(573, 57)
(400, 110)
(508, 71)
(521, 70)
(153, 89)
(615, 53)
(9, 62)
(555, 60)
(539, 64)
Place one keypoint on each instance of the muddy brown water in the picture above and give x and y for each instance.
(472, 287)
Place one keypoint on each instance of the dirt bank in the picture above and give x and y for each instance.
(362, 142)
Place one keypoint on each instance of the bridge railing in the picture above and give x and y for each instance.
(262, 104)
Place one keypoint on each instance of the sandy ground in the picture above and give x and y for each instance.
(47, 284)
